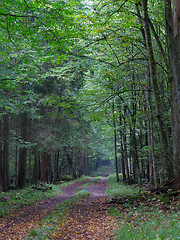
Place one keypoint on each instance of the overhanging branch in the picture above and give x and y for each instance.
(16, 15)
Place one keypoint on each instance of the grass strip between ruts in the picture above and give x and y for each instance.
(56, 217)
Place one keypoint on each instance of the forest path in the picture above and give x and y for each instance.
(18, 224)
(88, 219)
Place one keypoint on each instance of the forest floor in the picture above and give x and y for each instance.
(88, 219)
(19, 222)
(87, 210)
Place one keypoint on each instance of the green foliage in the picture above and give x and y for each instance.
(119, 189)
(83, 192)
(14, 199)
(82, 187)
(41, 233)
(66, 178)
(100, 171)
(63, 63)
(146, 216)
(113, 211)
(66, 183)
(154, 226)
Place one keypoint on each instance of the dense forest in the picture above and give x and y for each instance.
(89, 83)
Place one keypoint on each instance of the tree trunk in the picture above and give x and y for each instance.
(152, 64)
(50, 172)
(173, 36)
(22, 152)
(69, 158)
(16, 155)
(80, 164)
(136, 167)
(122, 151)
(56, 165)
(115, 145)
(126, 148)
(141, 137)
(126, 157)
(30, 167)
(121, 133)
(35, 169)
(152, 163)
(1, 167)
(44, 167)
(5, 154)
(176, 135)
(86, 165)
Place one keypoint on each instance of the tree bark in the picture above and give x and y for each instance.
(115, 145)
(69, 157)
(5, 154)
(173, 36)
(126, 148)
(152, 163)
(22, 152)
(1, 168)
(35, 169)
(16, 154)
(122, 148)
(56, 165)
(44, 167)
(152, 64)
(136, 167)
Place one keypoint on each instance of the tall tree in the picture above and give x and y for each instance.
(173, 33)
(23, 151)
(152, 65)
(5, 153)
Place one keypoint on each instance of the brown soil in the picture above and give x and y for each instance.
(28, 216)
(88, 219)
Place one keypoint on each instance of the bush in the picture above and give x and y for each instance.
(67, 178)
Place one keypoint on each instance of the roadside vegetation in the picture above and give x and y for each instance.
(14, 199)
(142, 214)
(102, 171)
(98, 172)
(119, 188)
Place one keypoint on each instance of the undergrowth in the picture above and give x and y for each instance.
(143, 216)
(118, 188)
(14, 199)
(91, 182)
(153, 225)
(100, 171)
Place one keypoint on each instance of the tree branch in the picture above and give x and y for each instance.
(15, 15)
(115, 11)
(94, 59)
(112, 50)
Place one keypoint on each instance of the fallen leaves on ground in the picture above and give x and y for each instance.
(17, 225)
(87, 220)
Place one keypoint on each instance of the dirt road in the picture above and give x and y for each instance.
(88, 219)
